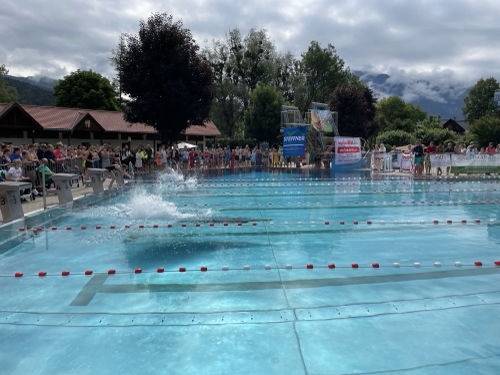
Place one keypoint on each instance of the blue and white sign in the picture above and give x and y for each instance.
(294, 141)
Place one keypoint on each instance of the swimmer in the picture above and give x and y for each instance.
(115, 167)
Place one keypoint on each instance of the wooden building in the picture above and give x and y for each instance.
(23, 124)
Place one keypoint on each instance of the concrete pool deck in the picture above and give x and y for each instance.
(51, 200)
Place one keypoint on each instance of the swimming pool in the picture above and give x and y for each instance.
(280, 272)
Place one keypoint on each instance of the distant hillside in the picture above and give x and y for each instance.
(29, 93)
(41, 81)
(446, 100)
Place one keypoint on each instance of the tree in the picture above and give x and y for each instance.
(318, 73)
(239, 65)
(7, 94)
(430, 122)
(262, 117)
(436, 135)
(356, 106)
(394, 114)
(116, 62)
(479, 99)
(395, 138)
(85, 89)
(169, 84)
(486, 129)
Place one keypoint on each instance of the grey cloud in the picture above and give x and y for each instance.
(446, 41)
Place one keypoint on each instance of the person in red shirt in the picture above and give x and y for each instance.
(490, 149)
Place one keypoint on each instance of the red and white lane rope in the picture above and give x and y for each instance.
(447, 222)
(267, 267)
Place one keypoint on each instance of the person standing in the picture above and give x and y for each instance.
(449, 150)
(418, 151)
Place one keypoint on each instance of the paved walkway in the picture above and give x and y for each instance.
(52, 200)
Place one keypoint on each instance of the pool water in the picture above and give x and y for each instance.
(259, 273)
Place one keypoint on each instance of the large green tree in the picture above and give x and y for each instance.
(356, 107)
(318, 72)
(486, 129)
(240, 63)
(7, 94)
(262, 117)
(85, 89)
(393, 113)
(169, 84)
(479, 99)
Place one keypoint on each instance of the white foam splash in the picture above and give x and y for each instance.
(147, 206)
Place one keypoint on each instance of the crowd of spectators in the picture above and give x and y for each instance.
(422, 153)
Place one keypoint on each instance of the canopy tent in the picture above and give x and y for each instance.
(181, 145)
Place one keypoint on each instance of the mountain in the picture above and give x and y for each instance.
(29, 93)
(42, 81)
(443, 99)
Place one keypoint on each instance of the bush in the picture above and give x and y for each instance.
(395, 138)
(426, 135)
(485, 130)
(467, 138)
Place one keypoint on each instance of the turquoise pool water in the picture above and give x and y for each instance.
(258, 308)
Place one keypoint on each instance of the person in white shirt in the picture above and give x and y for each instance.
(15, 174)
(471, 150)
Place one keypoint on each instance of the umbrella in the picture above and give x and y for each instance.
(187, 145)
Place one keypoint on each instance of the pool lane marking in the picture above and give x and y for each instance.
(96, 284)
(89, 291)
(322, 193)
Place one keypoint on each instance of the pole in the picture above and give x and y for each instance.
(43, 188)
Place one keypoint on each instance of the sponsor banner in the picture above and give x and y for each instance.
(440, 160)
(484, 163)
(406, 162)
(322, 120)
(347, 150)
(378, 161)
(396, 160)
(294, 141)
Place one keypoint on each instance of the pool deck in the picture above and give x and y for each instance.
(32, 206)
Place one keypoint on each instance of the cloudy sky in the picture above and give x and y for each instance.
(441, 40)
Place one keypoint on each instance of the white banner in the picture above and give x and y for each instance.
(440, 160)
(483, 160)
(396, 160)
(406, 162)
(347, 150)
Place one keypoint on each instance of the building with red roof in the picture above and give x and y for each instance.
(22, 124)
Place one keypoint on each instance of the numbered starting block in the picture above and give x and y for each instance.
(96, 179)
(62, 181)
(10, 199)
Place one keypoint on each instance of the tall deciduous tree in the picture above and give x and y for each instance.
(393, 113)
(262, 117)
(356, 107)
(318, 73)
(85, 89)
(7, 94)
(239, 64)
(479, 100)
(169, 84)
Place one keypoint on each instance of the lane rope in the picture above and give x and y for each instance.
(267, 267)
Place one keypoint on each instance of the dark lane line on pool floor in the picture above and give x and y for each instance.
(96, 284)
